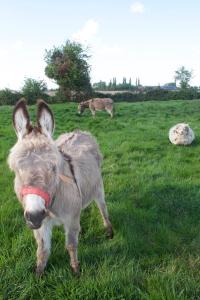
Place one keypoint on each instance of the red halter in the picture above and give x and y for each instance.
(27, 190)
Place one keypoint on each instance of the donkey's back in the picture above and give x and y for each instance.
(79, 145)
(103, 102)
(83, 152)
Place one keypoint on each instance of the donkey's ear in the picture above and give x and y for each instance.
(21, 119)
(45, 119)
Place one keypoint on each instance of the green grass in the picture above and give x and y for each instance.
(153, 196)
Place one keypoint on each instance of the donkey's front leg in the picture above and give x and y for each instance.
(43, 239)
(93, 112)
(72, 231)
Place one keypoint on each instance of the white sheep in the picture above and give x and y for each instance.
(181, 134)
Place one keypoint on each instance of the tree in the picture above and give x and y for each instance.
(33, 89)
(99, 86)
(68, 66)
(110, 86)
(114, 83)
(130, 83)
(183, 76)
(137, 83)
(124, 81)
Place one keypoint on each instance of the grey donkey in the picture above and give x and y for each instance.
(55, 180)
(97, 104)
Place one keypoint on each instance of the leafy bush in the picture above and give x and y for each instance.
(8, 97)
(34, 89)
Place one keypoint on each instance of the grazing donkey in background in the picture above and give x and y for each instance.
(97, 104)
(55, 180)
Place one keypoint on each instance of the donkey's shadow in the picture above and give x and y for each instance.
(164, 221)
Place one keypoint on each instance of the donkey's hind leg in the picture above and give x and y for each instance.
(100, 201)
(110, 112)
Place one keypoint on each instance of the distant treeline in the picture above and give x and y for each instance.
(114, 86)
(9, 97)
(155, 94)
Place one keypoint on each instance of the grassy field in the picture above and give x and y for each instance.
(153, 196)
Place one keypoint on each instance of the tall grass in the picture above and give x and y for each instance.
(153, 195)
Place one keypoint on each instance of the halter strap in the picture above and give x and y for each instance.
(27, 190)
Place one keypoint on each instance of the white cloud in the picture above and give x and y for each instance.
(87, 33)
(137, 7)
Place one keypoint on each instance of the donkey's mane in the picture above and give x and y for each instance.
(86, 102)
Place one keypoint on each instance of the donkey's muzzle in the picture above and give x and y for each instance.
(34, 219)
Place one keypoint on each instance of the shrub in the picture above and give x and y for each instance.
(8, 97)
(34, 89)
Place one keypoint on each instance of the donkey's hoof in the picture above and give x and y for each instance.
(109, 233)
(76, 269)
(39, 272)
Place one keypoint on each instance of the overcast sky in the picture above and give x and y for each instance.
(148, 39)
